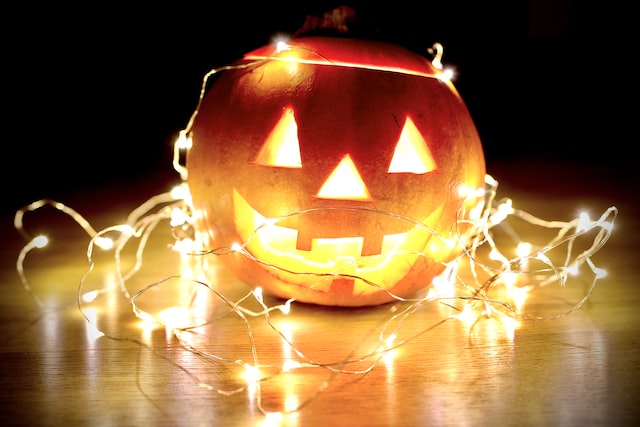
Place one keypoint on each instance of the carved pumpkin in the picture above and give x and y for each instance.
(358, 147)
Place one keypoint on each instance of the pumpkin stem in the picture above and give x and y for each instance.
(336, 20)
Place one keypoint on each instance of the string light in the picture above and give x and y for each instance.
(493, 278)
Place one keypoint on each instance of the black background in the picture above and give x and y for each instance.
(95, 92)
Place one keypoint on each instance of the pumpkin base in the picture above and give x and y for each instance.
(328, 289)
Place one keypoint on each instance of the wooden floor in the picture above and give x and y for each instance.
(582, 369)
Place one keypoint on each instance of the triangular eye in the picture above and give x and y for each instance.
(282, 148)
(412, 155)
(344, 183)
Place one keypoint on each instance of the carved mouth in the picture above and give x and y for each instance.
(276, 246)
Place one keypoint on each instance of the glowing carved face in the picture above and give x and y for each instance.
(363, 170)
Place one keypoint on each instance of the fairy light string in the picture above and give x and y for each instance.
(484, 281)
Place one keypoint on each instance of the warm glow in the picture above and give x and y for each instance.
(290, 365)
(40, 241)
(286, 307)
(447, 75)
(466, 192)
(186, 246)
(272, 419)
(147, 321)
(276, 245)
(92, 332)
(523, 249)
(180, 192)
(584, 222)
(178, 217)
(510, 325)
(251, 374)
(90, 296)
(282, 46)
(257, 293)
(282, 148)
(412, 155)
(599, 272)
(503, 211)
(174, 317)
(344, 183)
(468, 315)
(182, 144)
(519, 296)
(390, 340)
(183, 141)
(104, 242)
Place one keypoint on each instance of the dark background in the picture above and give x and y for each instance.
(95, 92)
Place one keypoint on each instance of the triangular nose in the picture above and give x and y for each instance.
(344, 183)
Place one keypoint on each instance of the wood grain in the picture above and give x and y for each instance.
(581, 369)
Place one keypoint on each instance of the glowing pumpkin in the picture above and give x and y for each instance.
(360, 149)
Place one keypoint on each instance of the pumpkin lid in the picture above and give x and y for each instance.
(347, 52)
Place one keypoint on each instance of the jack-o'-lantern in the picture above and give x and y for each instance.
(340, 167)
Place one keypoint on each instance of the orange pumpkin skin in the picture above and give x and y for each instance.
(345, 104)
